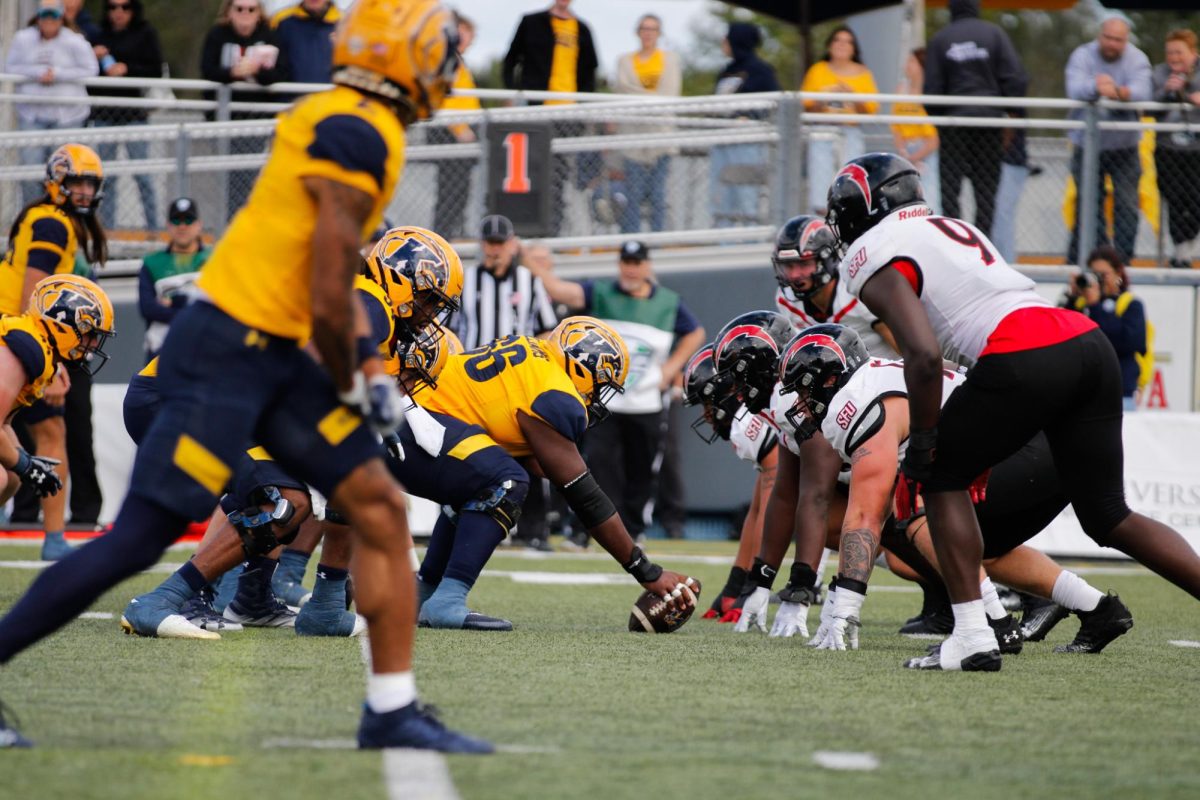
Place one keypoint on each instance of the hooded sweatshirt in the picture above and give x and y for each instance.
(971, 57)
(137, 47)
(746, 72)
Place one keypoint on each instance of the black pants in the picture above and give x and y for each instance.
(621, 454)
(1178, 177)
(669, 504)
(974, 154)
(453, 188)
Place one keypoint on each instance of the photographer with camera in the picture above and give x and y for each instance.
(1102, 293)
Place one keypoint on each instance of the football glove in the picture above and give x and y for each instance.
(826, 615)
(790, 619)
(843, 625)
(377, 399)
(754, 611)
(37, 472)
(394, 447)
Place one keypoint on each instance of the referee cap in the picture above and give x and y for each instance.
(496, 228)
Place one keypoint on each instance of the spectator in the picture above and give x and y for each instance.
(553, 51)
(839, 70)
(454, 174)
(653, 71)
(1177, 153)
(971, 58)
(55, 61)
(662, 334)
(241, 47)
(127, 47)
(1110, 68)
(304, 35)
(166, 275)
(738, 171)
(79, 19)
(918, 141)
(1102, 293)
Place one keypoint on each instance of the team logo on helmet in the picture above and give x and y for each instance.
(595, 358)
(858, 176)
(753, 331)
(816, 339)
(78, 315)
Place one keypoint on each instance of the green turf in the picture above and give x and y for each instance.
(608, 714)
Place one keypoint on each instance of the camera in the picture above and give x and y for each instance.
(1086, 280)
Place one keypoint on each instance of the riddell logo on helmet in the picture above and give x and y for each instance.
(857, 262)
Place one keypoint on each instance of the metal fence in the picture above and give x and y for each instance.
(677, 168)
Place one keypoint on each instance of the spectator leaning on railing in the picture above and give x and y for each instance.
(127, 47)
(55, 59)
(1177, 153)
(1110, 68)
(304, 34)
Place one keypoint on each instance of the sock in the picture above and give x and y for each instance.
(57, 537)
(991, 600)
(330, 588)
(969, 617)
(390, 690)
(733, 586)
(476, 538)
(424, 591)
(192, 577)
(292, 565)
(1073, 592)
(447, 606)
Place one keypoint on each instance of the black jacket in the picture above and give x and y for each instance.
(216, 61)
(746, 72)
(527, 65)
(971, 57)
(137, 47)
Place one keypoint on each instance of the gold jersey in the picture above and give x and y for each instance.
(29, 342)
(46, 241)
(260, 271)
(489, 385)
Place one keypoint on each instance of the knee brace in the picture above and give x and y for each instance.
(502, 503)
(255, 526)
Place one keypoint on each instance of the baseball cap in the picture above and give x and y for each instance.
(496, 228)
(50, 8)
(183, 211)
(633, 250)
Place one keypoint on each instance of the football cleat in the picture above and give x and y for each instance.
(1039, 617)
(1008, 634)
(200, 612)
(937, 623)
(474, 621)
(156, 616)
(415, 726)
(9, 735)
(55, 548)
(1110, 619)
(975, 654)
(267, 613)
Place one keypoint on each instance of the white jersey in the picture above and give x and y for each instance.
(856, 411)
(780, 404)
(966, 287)
(845, 310)
(753, 436)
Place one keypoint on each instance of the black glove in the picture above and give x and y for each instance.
(38, 473)
(915, 470)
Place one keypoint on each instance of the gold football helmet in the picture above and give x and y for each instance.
(426, 356)
(421, 275)
(596, 359)
(74, 162)
(78, 317)
(405, 51)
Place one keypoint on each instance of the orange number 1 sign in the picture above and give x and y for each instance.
(516, 173)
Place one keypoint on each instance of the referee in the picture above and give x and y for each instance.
(501, 297)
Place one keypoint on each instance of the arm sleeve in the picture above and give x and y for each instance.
(588, 62)
(1158, 77)
(627, 82)
(515, 56)
(281, 71)
(152, 310)
(148, 61)
(349, 150)
(20, 58)
(671, 82)
(28, 352)
(1126, 332)
(935, 79)
(377, 316)
(210, 59)
(83, 60)
(562, 412)
(1081, 84)
(1140, 83)
(685, 320)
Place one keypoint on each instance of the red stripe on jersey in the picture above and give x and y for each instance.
(799, 312)
(1034, 327)
(838, 316)
(911, 272)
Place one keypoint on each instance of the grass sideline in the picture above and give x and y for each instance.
(605, 713)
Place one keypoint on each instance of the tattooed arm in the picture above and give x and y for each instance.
(872, 477)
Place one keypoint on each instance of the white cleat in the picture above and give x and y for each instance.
(173, 626)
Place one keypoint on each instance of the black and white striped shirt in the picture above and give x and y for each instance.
(494, 307)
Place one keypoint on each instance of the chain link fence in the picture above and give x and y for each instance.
(622, 166)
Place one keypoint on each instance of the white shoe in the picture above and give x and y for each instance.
(173, 626)
(977, 652)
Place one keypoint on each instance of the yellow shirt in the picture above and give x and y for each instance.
(260, 271)
(912, 130)
(457, 102)
(649, 70)
(29, 343)
(821, 78)
(564, 66)
(489, 385)
(46, 240)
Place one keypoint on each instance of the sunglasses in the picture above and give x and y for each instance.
(244, 9)
(119, 6)
(182, 220)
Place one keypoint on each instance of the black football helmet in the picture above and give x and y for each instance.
(702, 386)
(802, 238)
(867, 189)
(815, 365)
(746, 353)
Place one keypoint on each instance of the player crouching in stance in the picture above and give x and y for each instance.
(830, 385)
(519, 397)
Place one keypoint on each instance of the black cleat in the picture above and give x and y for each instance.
(481, 622)
(1100, 626)
(1008, 634)
(939, 622)
(1040, 616)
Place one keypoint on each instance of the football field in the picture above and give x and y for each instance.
(582, 708)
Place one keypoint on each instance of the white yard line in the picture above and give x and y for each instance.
(409, 774)
(834, 759)
(1184, 643)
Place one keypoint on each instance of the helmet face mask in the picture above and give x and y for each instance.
(807, 241)
(702, 386)
(816, 364)
(78, 316)
(422, 360)
(746, 355)
(868, 189)
(69, 167)
(595, 358)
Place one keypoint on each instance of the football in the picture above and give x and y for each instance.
(651, 615)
